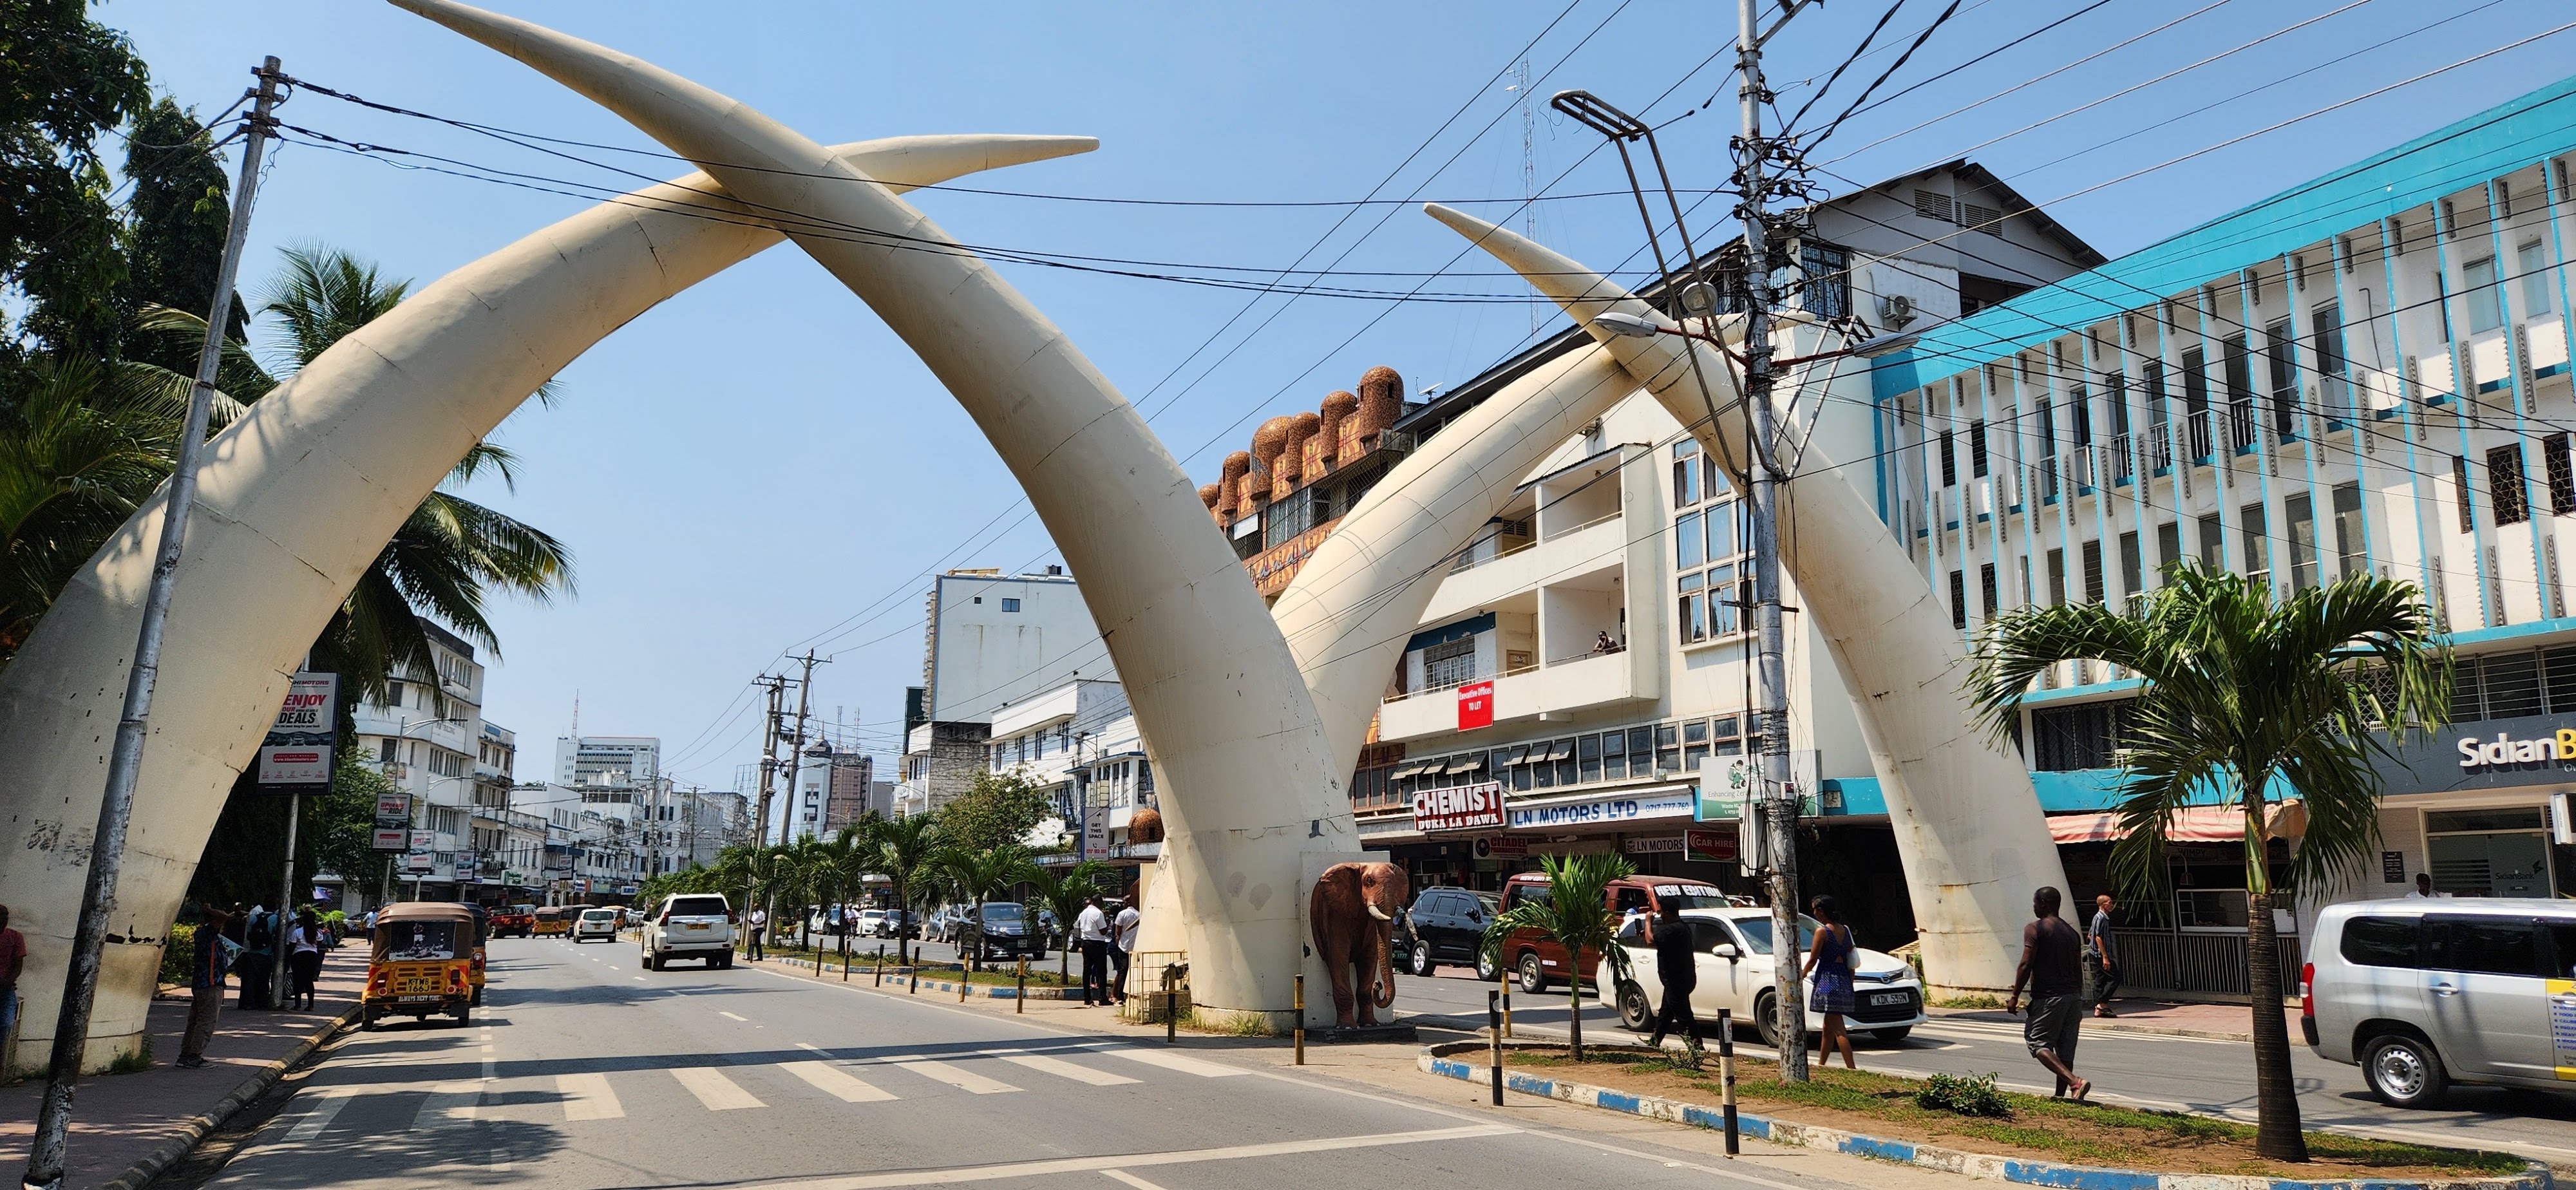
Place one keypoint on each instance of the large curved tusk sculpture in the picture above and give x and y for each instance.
(1968, 824)
(295, 501)
(1251, 789)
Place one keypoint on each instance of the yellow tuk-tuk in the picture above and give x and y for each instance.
(553, 921)
(421, 963)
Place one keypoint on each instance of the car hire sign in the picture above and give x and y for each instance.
(1459, 808)
(296, 755)
(1475, 705)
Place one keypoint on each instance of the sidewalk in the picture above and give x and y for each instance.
(2222, 1022)
(128, 1127)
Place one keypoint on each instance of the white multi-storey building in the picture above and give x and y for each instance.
(426, 734)
(990, 640)
(1079, 743)
(612, 771)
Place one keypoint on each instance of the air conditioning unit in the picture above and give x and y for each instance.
(1895, 311)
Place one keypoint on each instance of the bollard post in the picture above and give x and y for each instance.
(1301, 1019)
(1171, 1009)
(1726, 1071)
(1506, 993)
(962, 972)
(881, 964)
(1022, 1004)
(1494, 1026)
(845, 963)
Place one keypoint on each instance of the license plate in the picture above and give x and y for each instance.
(431, 986)
(1887, 998)
(699, 925)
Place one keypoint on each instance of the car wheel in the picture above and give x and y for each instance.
(1533, 975)
(2404, 1071)
(1766, 1021)
(367, 1019)
(1895, 1036)
(1418, 960)
(477, 1001)
(1486, 968)
(724, 962)
(1634, 1012)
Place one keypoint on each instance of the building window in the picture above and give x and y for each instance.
(2504, 485)
(2093, 572)
(1986, 586)
(2057, 578)
(2562, 474)
(2302, 517)
(1685, 473)
(2132, 564)
(1949, 460)
(1958, 599)
(2351, 544)
(2460, 492)
(2284, 375)
(1010, 605)
(1828, 280)
(2258, 554)
(2533, 266)
(2328, 321)
(2168, 545)
(1449, 664)
(2071, 739)
(1706, 536)
(1977, 448)
(2213, 549)
(2486, 303)
(1691, 607)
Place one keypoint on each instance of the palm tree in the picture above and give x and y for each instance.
(1575, 913)
(2239, 690)
(1062, 892)
(904, 851)
(843, 862)
(979, 876)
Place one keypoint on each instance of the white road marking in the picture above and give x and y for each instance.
(1063, 1069)
(714, 1089)
(641, 979)
(729, 1016)
(964, 1080)
(1038, 1169)
(1129, 1178)
(491, 1068)
(588, 1097)
(1170, 1061)
(832, 1079)
(326, 1106)
(451, 1103)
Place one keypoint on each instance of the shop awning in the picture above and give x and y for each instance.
(1404, 772)
(1519, 756)
(1564, 751)
(2194, 824)
(1468, 765)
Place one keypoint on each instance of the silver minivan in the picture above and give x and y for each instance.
(2425, 993)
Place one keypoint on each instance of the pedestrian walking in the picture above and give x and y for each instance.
(371, 923)
(1122, 947)
(2052, 964)
(2097, 954)
(1829, 966)
(13, 963)
(1677, 967)
(205, 985)
(303, 959)
(258, 958)
(1091, 931)
(759, 921)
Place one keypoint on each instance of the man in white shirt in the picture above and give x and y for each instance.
(759, 919)
(1091, 930)
(2424, 889)
(1122, 948)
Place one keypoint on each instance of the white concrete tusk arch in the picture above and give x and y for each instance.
(1250, 789)
(1968, 824)
(296, 500)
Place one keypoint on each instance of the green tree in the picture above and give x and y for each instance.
(1062, 891)
(997, 808)
(1575, 913)
(904, 852)
(180, 207)
(2240, 691)
(979, 875)
(64, 80)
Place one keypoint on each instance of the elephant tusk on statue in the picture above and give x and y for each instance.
(1353, 910)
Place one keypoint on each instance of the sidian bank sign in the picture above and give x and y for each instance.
(2504, 749)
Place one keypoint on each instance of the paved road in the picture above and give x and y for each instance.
(585, 1071)
(2196, 1074)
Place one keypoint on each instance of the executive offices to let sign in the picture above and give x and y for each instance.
(1476, 705)
(295, 757)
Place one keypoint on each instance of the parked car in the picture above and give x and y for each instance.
(1447, 925)
(1732, 949)
(899, 923)
(1006, 932)
(597, 923)
(690, 926)
(514, 921)
(942, 926)
(870, 922)
(1537, 961)
(2424, 993)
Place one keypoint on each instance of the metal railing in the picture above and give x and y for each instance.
(2197, 428)
(2124, 461)
(2204, 964)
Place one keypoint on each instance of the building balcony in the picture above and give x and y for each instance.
(1544, 561)
(1562, 687)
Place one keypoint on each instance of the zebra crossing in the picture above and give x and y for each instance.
(620, 1095)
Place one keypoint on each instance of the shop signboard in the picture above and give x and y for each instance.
(1501, 847)
(1459, 807)
(1476, 705)
(423, 840)
(1651, 845)
(1095, 832)
(1716, 843)
(1613, 810)
(295, 757)
(419, 861)
(392, 838)
(393, 810)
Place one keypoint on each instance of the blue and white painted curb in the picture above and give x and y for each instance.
(1440, 1060)
(827, 967)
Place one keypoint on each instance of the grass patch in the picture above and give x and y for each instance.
(2033, 1125)
(134, 1061)
(1228, 1024)
(1976, 1001)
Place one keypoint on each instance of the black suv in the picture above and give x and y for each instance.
(1446, 925)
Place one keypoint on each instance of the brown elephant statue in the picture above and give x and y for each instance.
(1353, 908)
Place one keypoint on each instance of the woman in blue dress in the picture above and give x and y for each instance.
(1829, 966)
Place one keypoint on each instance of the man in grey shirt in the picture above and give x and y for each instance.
(2052, 965)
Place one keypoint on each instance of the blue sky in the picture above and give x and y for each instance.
(758, 466)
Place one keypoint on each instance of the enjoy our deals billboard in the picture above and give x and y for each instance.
(296, 755)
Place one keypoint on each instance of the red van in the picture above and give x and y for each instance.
(1538, 961)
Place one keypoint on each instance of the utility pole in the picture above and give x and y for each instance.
(1771, 718)
(796, 751)
(125, 760)
(777, 685)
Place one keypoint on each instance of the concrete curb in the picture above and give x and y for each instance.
(2095, 1024)
(823, 970)
(195, 1128)
(1437, 1060)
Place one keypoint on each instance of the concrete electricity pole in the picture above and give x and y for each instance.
(777, 685)
(796, 752)
(1771, 719)
(125, 758)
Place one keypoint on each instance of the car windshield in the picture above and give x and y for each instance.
(1002, 912)
(599, 915)
(1757, 933)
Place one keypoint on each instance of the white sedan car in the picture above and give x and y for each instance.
(1733, 947)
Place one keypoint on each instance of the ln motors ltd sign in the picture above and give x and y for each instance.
(1459, 808)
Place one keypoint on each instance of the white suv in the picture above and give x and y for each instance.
(690, 926)
(1731, 949)
(596, 923)
(2424, 993)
